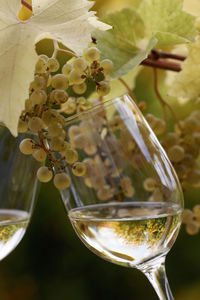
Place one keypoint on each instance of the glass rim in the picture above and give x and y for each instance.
(96, 107)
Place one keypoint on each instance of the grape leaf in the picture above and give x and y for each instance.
(67, 21)
(187, 82)
(120, 43)
(166, 20)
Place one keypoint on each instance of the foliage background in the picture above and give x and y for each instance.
(52, 263)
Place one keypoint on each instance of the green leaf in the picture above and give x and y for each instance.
(120, 43)
(166, 20)
(187, 82)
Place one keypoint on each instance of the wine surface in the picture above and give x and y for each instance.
(13, 224)
(128, 234)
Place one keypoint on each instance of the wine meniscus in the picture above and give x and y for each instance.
(128, 234)
(13, 224)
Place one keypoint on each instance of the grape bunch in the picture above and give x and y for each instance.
(49, 104)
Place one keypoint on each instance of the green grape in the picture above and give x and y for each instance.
(22, 126)
(107, 66)
(103, 88)
(73, 131)
(188, 161)
(27, 146)
(47, 116)
(88, 182)
(62, 181)
(81, 100)
(53, 64)
(192, 149)
(28, 105)
(150, 184)
(187, 216)
(37, 84)
(181, 170)
(57, 144)
(92, 54)
(176, 153)
(55, 129)
(44, 57)
(41, 66)
(71, 156)
(196, 136)
(40, 155)
(76, 77)
(188, 139)
(80, 64)
(192, 228)
(80, 88)
(79, 141)
(129, 191)
(157, 196)
(90, 149)
(38, 97)
(70, 106)
(190, 125)
(35, 124)
(159, 127)
(66, 70)
(116, 123)
(151, 119)
(59, 96)
(79, 169)
(170, 139)
(193, 177)
(196, 210)
(60, 82)
(44, 174)
(105, 193)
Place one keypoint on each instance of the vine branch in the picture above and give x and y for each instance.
(26, 4)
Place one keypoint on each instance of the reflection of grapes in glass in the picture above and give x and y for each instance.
(17, 191)
(125, 202)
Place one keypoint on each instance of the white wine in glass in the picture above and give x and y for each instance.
(18, 187)
(127, 206)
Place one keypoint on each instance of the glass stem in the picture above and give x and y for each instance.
(157, 276)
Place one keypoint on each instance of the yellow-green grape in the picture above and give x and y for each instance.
(196, 136)
(107, 66)
(44, 57)
(193, 177)
(35, 124)
(37, 84)
(79, 169)
(188, 161)
(187, 216)
(159, 127)
(55, 129)
(59, 96)
(28, 105)
(103, 88)
(127, 187)
(40, 155)
(116, 123)
(151, 119)
(27, 146)
(66, 70)
(38, 97)
(192, 228)
(190, 125)
(70, 106)
(62, 181)
(90, 149)
(192, 149)
(53, 64)
(170, 139)
(76, 77)
(196, 210)
(129, 191)
(176, 153)
(157, 196)
(60, 82)
(71, 156)
(41, 66)
(57, 144)
(105, 193)
(196, 114)
(22, 126)
(63, 134)
(47, 116)
(81, 100)
(44, 174)
(66, 146)
(80, 88)
(150, 184)
(79, 141)
(181, 170)
(92, 54)
(80, 64)
(73, 131)
(88, 182)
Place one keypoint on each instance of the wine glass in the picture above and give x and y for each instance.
(18, 187)
(127, 205)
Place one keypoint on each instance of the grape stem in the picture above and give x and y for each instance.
(27, 5)
(128, 89)
(164, 103)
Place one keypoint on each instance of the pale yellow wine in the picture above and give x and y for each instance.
(13, 224)
(128, 234)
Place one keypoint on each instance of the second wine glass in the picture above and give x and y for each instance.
(125, 201)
